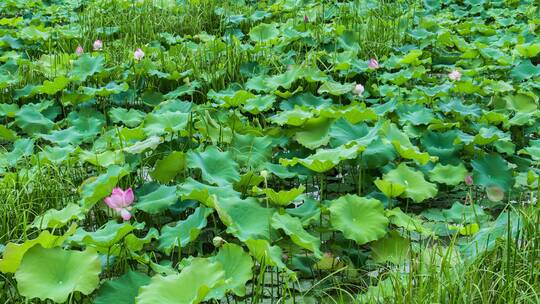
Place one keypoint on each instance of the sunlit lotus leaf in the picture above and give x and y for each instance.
(388, 188)
(58, 218)
(416, 187)
(392, 248)
(406, 221)
(315, 133)
(167, 168)
(360, 219)
(64, 137)
(105, 237)
(296, 117)
(188, 287)
(465, 214)
(263, 32)
(305, 101)
(325, 159)
(264, 253)
(97, 188)
(55, 273)
(55, 154)
(237, 265)
(245, 219)
(216, 167)
(449, 175)
(492, 170)
(109, 89)
(183, 232)
(343, 132)
(335, 88)
(206, 194)
(167, 122)
(21, 148)
(415, 114)
(105, 159)
(86, 66)
(283, 197)
(528, 49)
(292, 226)
(53, 87)
(122, 290)
(158, 200)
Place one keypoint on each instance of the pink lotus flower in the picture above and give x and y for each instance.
(306, 20)
(373, 64)
(120, 202)
(454, 75)
(98, 45)
(468, 180)
(138, 54)
(79, 50)
(358, 89)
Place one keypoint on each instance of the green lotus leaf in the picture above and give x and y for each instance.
(8, 109)
(292, 226)
(21, 148)
(296, 117)
(284, 80)
(416, 187)
(69, 136)
(392, 248)
(335, 88)
(315, 133)
(167, 168)
(131, 118)
(55, 154)
(325, 159)
(245, 219)
(53, 87)
(139, 147)
(402, 144)
(251, 151)
(408, 222)
(442, 145)
(31, 121)
(415, 114)
(411, 57)
(158, 200)
(465, 214)
(259, 104)
(378, 154)
(86, 66)
(449, 175)
(194, 190)
(58, 218)
(105, 237)
(122, 290)
(308, 211)
(105, 159)
(342, 132)
(492, 170)
(109, 89)
(263, 32)
(528, 49)
(167, 122)
(188, 287)
(55, 273)
(216, 167)
(96, 189)
(360, 219)
(522, 103)
(264, 253)
(388, 188)
(283, 197)
(533, 149)
(305, 101)
(13, 253)
(525, 70)
(183, 232)
(237, 265)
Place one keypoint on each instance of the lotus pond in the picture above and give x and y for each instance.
(286, 151)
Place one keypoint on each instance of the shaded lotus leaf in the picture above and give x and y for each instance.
(360, 219)
(525, 70)
(314, 133)
(402, 144)
(237, 265)
(392, 248)
(167, 122)
(216, 167)
(264, 253)
(524, 103)
(388, 188)
(296, 117)
(308, 211)
(416, 187)
(97, 188)
(188, 287)
(13, 253)
(86, 66)
(158, 200)
(492, 170)
(31, 121)
(106, 236)
(356, 113)
(55, 273)
(245, 219)
(58, 218)
(183, 232)
(8, 109)
(122, 290)
(442, 145)
(292, 227)
(21, 148)
(251, 151)
(305, 101)
(134, 243)
(283, 197)
(449, 175)
(533, 149)
(378, 154)
(130, 118)
(408, 222)
(263, 32)
(167, 168)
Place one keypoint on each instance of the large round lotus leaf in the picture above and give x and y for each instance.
(100, 187)
(245, 219)
(32, 121)
(295, 117)
(265, 254)
(158, 200)
(105, 159)
(107, 236)
(167, 168)
(343, 132)
(292, 226)
(167, 122)
(263, 32)
(217, 167)
(194, 190)
(416, 186)
(237, 265)
(283, 197)
(378, 154)
(325, 159)
(55, 273)
(359, 218)
(130, 118)
(314, 133)
(13, 253)
(191, 286)
(122, 290)
(183, 232)
(525, 70)
(441, 144)
(335, 88)
(414, 114)
(449, 175)
(392, 248)
(251, 151)
(86, 66)
(58, 218)
(53, 87)
(259, 104)
(492, 170)
(465, 214)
